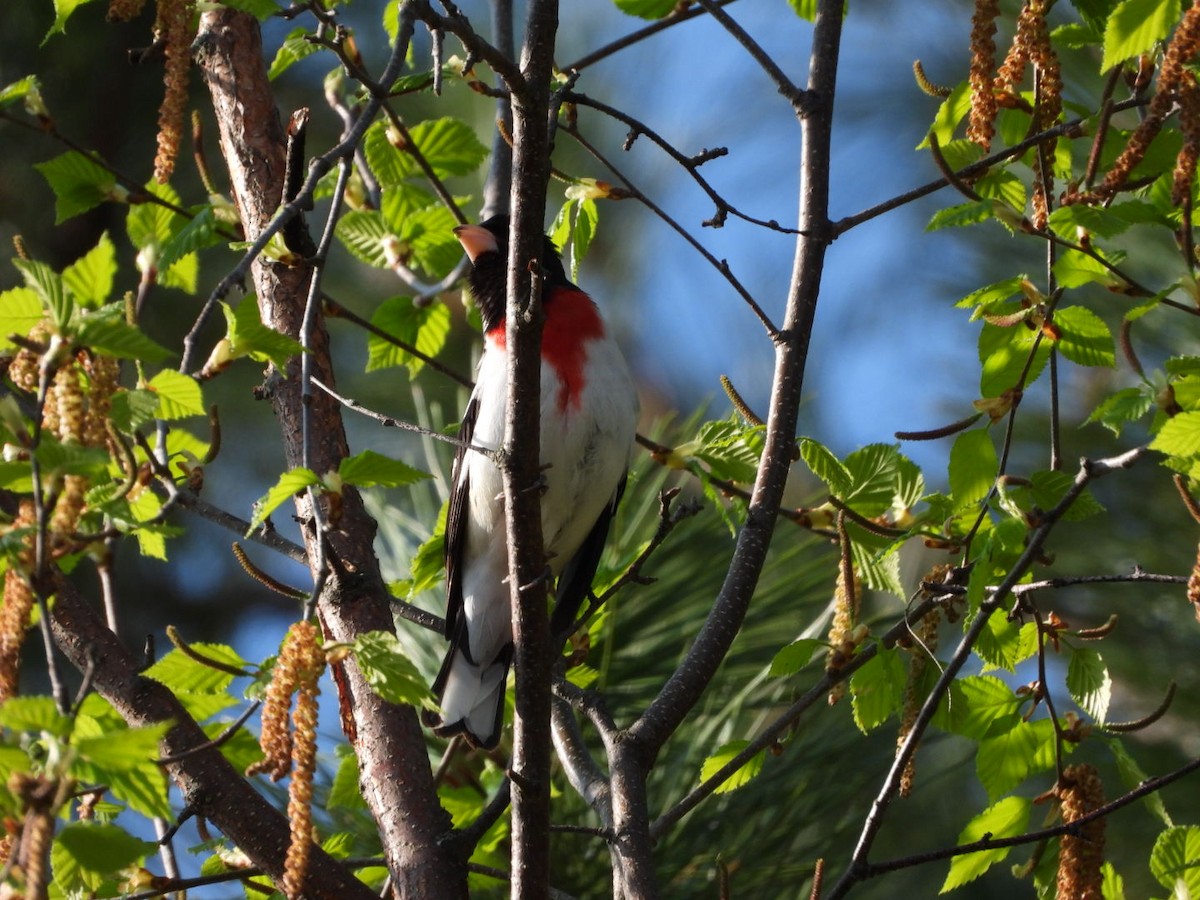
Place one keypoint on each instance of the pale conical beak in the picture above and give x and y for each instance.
(475, 240)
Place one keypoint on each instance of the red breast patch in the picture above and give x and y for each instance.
(572, 321)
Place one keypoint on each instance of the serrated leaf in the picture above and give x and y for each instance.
(132, 409)
(183, 673)
(78, 182)
(260, 9)
(179, 395)
(107, 332)
(1006, 759)
(1004, 354)
(645, 9)
(389, 671)
(874, 470)
(450, 146)
(293, 49)
(1119, 409)
(794, 657)
(1134, 776)
(1049, 488)
(729, 448)
(1074, 269)
(991, 295)
(971, 213)
(1179, 436)
(422, 327)
(197, 233)
(122, 749)
(1135, 26)
(982, 705)
(722, 757)
(1175, 860)
(290, 483)
(1066, 221)
(973, 466)
(1089, 683)
(151, 223)
(48, 285)
(20, 90)
(344, 792)
(90, 278)
(877, 689)
(248, 336)
(371, 469)
(33, 714)
(826, 467)
(878, 568)
(1004, 644)
(367, 236)
(1008, 818)
(1085, 338)
(20, 309)
(950, 113)
(84, 850)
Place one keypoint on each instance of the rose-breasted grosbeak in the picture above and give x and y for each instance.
(588, 420)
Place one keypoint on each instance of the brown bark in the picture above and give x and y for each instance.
(394, 767)
(211, 787)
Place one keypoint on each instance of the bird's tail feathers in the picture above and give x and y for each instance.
(471, 698)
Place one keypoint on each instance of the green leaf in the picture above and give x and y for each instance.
(422, 327)
(179, 395)
(1006, 759)
(646, 9)
(48, 285)
(248, 336)
(963, 214)
(82, 851)
(27, 89)
(1086, 339)
(33, 714)
(197, 233)
(1179, 436)
(90, 278)
(794, 657)
(1089, 683)
(151, 225)
(260, 9)
(450, 146)
(1074, 269)
(62, 12)
(973, 466)
(1066, 221)
(1004, 353)
(1112, 886)
(20, 309)
(293, 49)
(290, 483)
(344, 792)
(874, 470)
(826, 467)
(723, 757)
(1048, 488)
(367, 236)
(1135, 26)
(1119, 409)
(981, 705)
(991, 295)
(730, 449)
(371, 469)
(1008, 818)
(576, 224)
(389, 671)
(78, 183)
(1175, 860)
(952, 111)
(1006, 644)
(1134, 776)
(877, 689)
(122, 749)
(132, 409)
(106, 331)
(182, 673)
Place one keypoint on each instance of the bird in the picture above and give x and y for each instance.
(588, 417)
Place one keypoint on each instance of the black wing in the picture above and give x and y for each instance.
(575, 582)
(456, 520)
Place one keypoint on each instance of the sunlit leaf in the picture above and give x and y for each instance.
(1008, 818)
